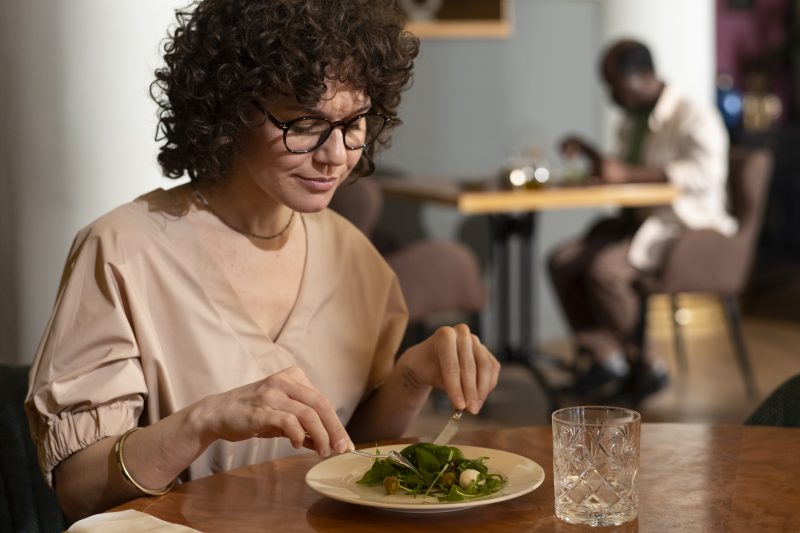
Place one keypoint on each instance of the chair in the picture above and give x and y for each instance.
(706, 261)
(438, 278)
(27, 504)
(780, 408)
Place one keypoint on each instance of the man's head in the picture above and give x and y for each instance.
(627, 68)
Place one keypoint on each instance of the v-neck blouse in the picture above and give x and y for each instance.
(146, 323)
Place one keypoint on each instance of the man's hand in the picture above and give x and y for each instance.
(573, 146)
(614, 171)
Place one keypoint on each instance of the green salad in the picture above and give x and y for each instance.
(446, 474)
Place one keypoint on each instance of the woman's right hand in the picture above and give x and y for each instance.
(284, 404)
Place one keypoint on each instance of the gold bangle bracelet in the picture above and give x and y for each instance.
(127, 475)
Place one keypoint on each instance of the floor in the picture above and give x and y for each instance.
(711, 391)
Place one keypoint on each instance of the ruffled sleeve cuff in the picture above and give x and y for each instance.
(59, 436)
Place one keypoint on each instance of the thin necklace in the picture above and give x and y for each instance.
(239, 230)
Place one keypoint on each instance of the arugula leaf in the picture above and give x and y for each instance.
(441, 467)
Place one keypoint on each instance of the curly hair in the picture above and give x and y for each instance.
(224, 56)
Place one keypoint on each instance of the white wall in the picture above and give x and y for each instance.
(77, 137)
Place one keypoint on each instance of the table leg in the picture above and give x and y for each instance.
(527, 276)
(504, 228)
(500, 265)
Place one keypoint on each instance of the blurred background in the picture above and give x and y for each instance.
(495, 78)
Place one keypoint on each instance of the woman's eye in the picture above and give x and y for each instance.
(358, 125)
(309, 128)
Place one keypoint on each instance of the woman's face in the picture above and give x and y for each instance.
(303, 182)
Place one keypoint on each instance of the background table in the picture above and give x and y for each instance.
(692, 478)
(513, 214)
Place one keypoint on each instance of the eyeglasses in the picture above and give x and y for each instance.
(305, 134)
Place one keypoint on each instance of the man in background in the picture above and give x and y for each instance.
(664, 137)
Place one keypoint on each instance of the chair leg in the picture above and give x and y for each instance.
(735, 329)
(635, 352)
(677, 335)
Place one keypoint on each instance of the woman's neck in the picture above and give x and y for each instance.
(244, 207)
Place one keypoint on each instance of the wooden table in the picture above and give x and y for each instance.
(491, 202)
(692, 478)
(512, 213)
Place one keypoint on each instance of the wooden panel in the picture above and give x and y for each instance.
(471, 10)
(466, 19)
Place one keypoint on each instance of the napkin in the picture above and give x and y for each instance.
(124, 522)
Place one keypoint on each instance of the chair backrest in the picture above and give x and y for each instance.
(780, 408)
(439, 276)
(727, 262)
(749, 178)
(360, 202)
(748, 181)
(26, 502)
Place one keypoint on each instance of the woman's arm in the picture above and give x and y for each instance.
(282, 405)
(452, 359)
(89, 481)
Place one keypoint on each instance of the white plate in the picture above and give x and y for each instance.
(336, 478)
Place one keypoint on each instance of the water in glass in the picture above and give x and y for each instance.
(596, 465)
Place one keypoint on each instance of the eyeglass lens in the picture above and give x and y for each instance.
(310, 133)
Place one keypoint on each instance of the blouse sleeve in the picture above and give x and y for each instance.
(393, 326)
(86, 381)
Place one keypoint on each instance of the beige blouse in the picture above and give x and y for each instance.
(146, 323)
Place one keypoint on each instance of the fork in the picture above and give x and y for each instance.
(393, 456)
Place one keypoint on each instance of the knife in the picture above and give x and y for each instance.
(449, 431)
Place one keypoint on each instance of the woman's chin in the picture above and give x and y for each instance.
(311, 205)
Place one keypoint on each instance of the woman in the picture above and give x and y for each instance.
(229, 320)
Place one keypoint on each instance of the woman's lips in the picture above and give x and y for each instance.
(318, 184)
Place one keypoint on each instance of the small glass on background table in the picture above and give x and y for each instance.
(596, 464)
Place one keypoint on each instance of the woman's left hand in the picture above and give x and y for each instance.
(454, 360)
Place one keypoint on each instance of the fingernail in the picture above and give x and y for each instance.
(350, 446)
(474, 406)
(325, 452)
(341, 446)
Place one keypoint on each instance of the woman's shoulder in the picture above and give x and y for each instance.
(136, 223)
(149, 211)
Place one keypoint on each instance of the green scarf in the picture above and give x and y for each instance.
(638, 133)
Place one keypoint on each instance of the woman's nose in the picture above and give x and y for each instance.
(333, 150)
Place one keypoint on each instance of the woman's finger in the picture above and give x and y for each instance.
(319, 419)
(316, 416)
(466, 359)
(446, 353)
(488, 369)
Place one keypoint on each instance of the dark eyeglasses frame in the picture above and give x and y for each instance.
(344, 124)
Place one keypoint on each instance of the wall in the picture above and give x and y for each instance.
(77, 138)
(8, 317)
(745, 35)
